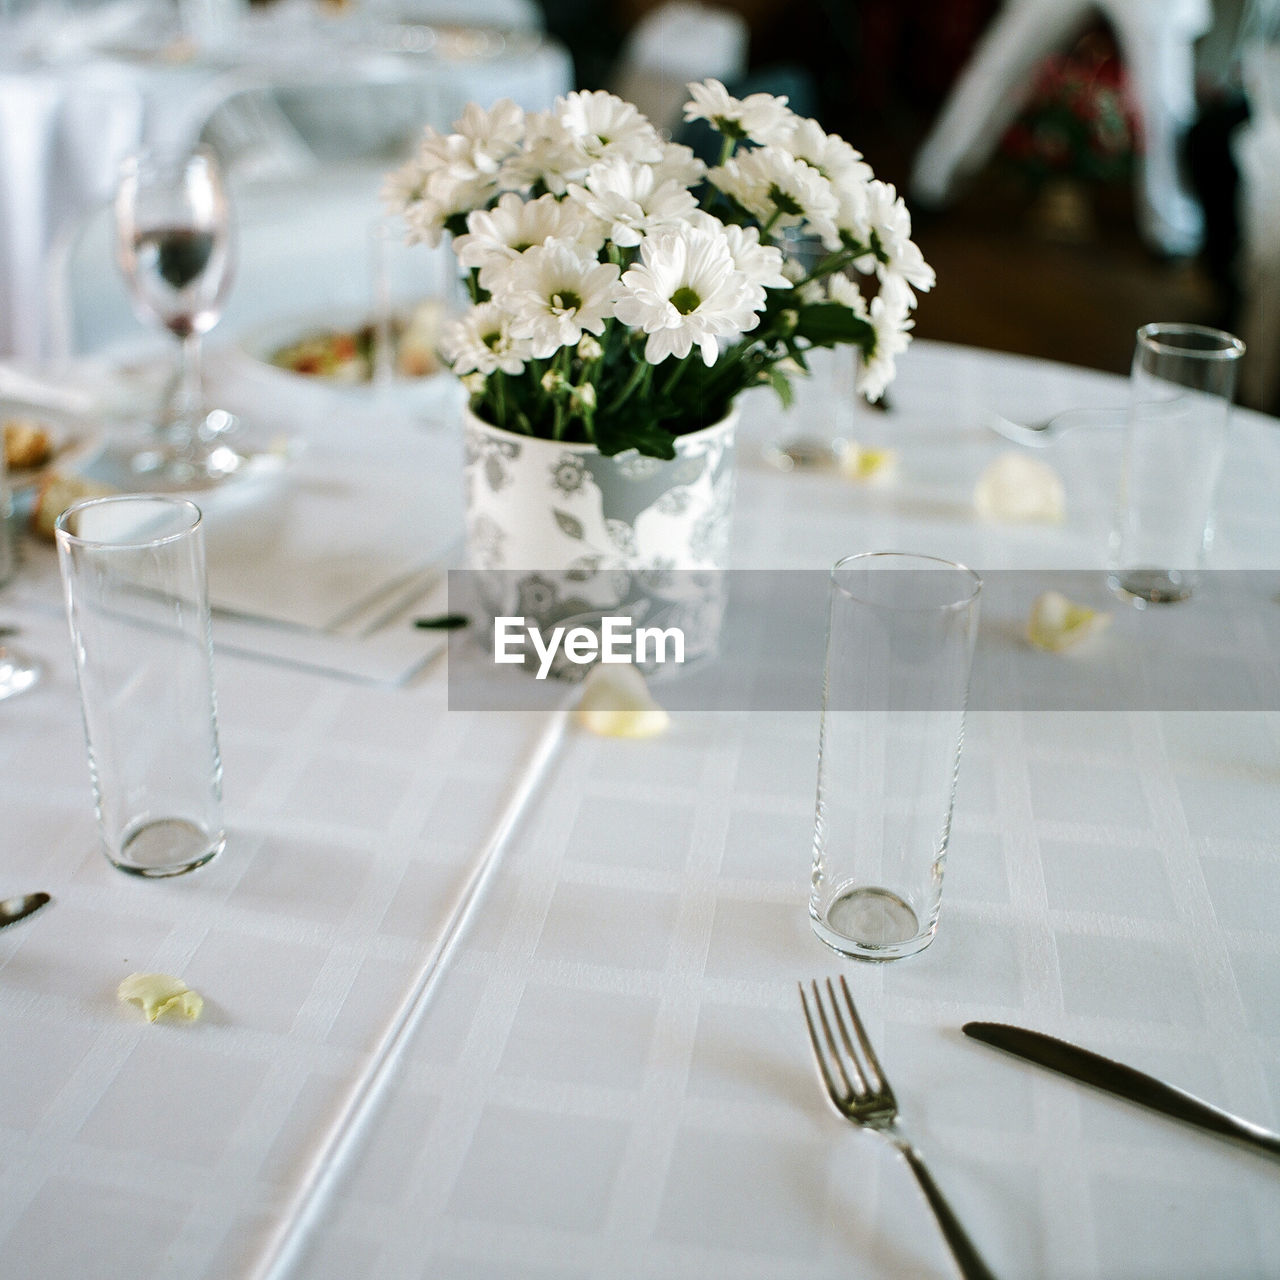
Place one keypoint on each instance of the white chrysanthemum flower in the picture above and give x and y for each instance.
(769, 181)
(481, 342)
(491, 135)
(760, 263)
(890, 223)
(679, 164)
(604, 125)
(551, 157)
(444, 178)
(555, 294)
(760, 117)
(513, 225)
(892, 324)
(686, 290)
(629, 203)
(846, 292)
(843, 167)
(830, 154)
(405, 186)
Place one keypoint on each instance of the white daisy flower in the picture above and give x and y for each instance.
(604, 125)
(551, 157)
(481, 342)
(492, 135)
(629, 203)
(772, 185)
(846, 292)
(832, 156)
(893, 326)
(404, 186)
(679, 164)
(685, 290)
(513, 225)
(843, 167)
(445, 177)
(890, 223)
(760, 263)
(760, 117)
(555, 294)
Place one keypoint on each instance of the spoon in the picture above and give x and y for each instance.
(1039, 434)
(18, 908)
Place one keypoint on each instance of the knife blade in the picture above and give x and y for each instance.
(19, 908)
(1125, 1082)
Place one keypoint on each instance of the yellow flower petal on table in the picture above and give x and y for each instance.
(160, 993)
(1019, 489)
(616, 703)
(868, 466)
(1056, 623)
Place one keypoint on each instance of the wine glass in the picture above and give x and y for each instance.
(174, 245)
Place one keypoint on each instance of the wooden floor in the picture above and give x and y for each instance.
(1007, 281)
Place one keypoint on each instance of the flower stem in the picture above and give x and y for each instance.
(642, 372)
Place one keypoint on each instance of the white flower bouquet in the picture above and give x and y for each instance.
(625, 293)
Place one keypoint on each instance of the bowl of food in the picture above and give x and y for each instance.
(345, 351)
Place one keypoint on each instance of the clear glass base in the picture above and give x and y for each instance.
(871, 924)
(17, 672)
(1152, 586)
(802, 453)
(180, 459)
(166, 847)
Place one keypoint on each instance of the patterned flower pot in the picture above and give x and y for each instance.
(562, 535)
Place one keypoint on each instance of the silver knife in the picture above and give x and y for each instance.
(19, 908)
(1125, 1082)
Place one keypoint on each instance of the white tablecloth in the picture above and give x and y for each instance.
(612, 1077)
(65, 127)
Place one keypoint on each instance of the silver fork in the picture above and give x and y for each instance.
(859, 1090)
(1044, 432)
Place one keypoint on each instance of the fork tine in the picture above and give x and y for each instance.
(864, 1085)
(820, 1057)
(881, 1083)
(854, 1086)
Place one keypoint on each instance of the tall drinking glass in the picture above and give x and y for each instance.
(900, 641)
(133, 574)
(174, 247)
(819, 423)
(1181, 388)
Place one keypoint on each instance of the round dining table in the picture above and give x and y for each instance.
(486, 994)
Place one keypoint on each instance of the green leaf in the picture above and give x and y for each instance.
(827, 323)
(634, 433)
(779, 381)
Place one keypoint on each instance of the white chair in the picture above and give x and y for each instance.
(674, 44)
(1156, 39)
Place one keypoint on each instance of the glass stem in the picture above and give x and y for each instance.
(188, 396)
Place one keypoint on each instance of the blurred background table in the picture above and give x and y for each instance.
(282, 93)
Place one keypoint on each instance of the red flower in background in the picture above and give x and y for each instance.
(1078, 120)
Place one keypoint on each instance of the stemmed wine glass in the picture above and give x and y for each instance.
(174, 246)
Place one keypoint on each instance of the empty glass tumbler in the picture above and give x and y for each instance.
(900, 642)
(133, 573)
(1181, 387)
